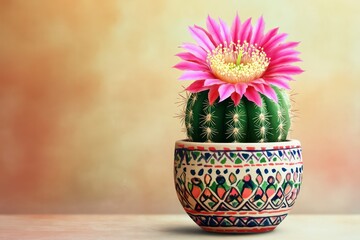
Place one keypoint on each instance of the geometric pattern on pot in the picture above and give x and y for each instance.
(233, 221)
(188, 156)
(269, 189)
(237, 183)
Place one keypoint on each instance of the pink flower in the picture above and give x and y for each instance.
(237, 62)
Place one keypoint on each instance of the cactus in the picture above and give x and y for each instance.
(246, 122)
(239, 74)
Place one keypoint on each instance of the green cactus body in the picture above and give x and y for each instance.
(246, 122)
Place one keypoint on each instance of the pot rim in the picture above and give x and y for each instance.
(291, 143)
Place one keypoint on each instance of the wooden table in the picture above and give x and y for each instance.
(101, 227)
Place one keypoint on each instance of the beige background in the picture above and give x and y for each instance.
(87, 100)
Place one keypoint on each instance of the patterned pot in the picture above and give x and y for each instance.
(238, 187)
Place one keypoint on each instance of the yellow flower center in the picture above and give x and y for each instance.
(238, 62)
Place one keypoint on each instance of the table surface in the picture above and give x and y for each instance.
(101, 227)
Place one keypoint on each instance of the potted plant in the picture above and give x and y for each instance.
(237, 171)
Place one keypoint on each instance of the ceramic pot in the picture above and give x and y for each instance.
(238, 187)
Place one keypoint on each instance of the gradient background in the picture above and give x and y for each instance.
(87, 100)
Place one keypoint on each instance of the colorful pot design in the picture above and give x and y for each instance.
(238, 187)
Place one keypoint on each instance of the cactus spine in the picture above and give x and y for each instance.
(246, 122)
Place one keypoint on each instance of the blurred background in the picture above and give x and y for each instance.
(87, 101)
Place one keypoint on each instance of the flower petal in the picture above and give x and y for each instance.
(258, 80)
(240, 88)
(258, 32)
(289, 44)
(195, 75)
(270, 93)
(252, 95)
(189, 57)
(286, 69)
(191, 66)
(235, 29)
(266, 90)
(214, 29)
(278, 82)
(213, 94)
(201, 38)
(269, 35)
(225, 91)
(282, 53)
(276, 40)
(212, 81)
(245, 31)
(284, 60)
(235, 97)
(225, 32)
(196, 86)
(196, 50)
(283, 77)
(283, 47)
(258, 87)
(207, 34)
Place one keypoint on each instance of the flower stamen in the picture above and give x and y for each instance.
(236, 63)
